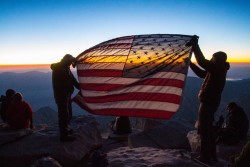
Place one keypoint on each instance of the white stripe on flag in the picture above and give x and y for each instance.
(136, 105)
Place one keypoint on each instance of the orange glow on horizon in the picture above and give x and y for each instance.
(23, 66)
(232, 60)
(36, 64)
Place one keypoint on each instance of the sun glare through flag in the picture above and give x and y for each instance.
(136, 76)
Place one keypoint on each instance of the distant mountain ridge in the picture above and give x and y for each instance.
(36, 88)
(45, 115)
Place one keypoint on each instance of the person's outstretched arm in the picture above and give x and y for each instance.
(199, 72)
(198, 54)
(204, 63)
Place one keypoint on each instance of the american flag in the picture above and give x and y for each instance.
(138, 76)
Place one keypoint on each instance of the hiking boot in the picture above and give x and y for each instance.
(67, 138)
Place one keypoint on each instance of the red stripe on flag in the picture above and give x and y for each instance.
(161, 97)
(150, 81)
(99, 73)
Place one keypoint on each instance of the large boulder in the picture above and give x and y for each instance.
(172, 134)
(24, 148)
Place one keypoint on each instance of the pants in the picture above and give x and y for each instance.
(206, 131)
(64, 115)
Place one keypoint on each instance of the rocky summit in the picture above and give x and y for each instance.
(23, 147)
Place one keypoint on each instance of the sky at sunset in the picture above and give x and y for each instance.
(43, 31)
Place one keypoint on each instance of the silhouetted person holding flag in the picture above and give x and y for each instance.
(63, 85)
(5, 102)
(214, 73)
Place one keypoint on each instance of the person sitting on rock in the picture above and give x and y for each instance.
(19, 113)
(5, 102)
(236, 126)
(121, 125)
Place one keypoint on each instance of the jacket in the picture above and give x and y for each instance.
(19, 115)
(63, 82)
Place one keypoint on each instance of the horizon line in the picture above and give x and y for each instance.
(6, 65)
